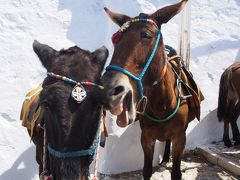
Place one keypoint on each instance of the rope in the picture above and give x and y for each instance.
(85, 152)
(155, 119)
(98, 148)
(44, 175)
(96, 159)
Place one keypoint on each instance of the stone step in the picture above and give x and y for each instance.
(218, 154)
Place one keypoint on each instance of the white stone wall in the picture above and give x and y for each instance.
(215, 43)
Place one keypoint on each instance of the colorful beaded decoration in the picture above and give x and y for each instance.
(117, 36)
(71, 81)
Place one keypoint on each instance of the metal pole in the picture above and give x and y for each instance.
(184, 34)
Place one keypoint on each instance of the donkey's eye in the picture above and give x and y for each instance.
(146, 35)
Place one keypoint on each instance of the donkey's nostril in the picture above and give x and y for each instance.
(118, 90)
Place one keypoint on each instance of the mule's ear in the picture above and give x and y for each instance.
(101, 55)
(45, 54)
(166, 13)
(118, 18)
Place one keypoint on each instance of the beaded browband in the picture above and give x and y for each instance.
(117, 36)
(78, 92)
(71, 81)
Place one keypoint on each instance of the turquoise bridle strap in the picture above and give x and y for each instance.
(140, 76)
(85, 152)
(155, 119)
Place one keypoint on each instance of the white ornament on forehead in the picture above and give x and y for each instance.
(79, 93)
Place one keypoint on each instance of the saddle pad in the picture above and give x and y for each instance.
(190, 86)
(31, 110)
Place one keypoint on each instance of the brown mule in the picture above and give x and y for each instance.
(229, 102)
(138, 40)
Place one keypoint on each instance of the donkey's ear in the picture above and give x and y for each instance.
(118, 18)
(101, 55)
(45, 54)
(166, 13)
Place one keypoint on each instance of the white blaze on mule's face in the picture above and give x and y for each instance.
(123, 104)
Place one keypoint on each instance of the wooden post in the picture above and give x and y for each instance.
(184, 34)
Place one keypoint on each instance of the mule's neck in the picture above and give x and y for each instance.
(162, 97)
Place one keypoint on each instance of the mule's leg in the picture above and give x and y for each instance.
(166, 154)
(226, 138)
(178, 144)
(235, 132)
(148, 149)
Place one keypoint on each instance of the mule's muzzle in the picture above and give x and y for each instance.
(119, 97)
(115, 89)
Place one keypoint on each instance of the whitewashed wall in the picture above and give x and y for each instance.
(215, 43)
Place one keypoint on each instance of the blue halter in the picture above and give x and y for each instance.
(140, 76)
(85, 152)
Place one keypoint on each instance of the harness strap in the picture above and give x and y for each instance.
(162, 74)
(86, 152)
(155, 119)
(45, 173)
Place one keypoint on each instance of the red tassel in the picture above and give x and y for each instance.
(49, 178)
(116, 37)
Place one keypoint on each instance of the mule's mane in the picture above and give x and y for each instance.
(73, 50)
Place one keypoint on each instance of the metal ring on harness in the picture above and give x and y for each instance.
(141, 105)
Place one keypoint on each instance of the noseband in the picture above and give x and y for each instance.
(140, 76)
(86, 152)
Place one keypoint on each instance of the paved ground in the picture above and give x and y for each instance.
(194, 167)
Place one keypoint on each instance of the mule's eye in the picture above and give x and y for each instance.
(146, 35)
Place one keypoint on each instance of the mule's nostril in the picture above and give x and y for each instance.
(118, 90)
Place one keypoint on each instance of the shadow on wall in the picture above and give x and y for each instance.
(237, 2)
(208, 130)
(216, 46)
(23, 167)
